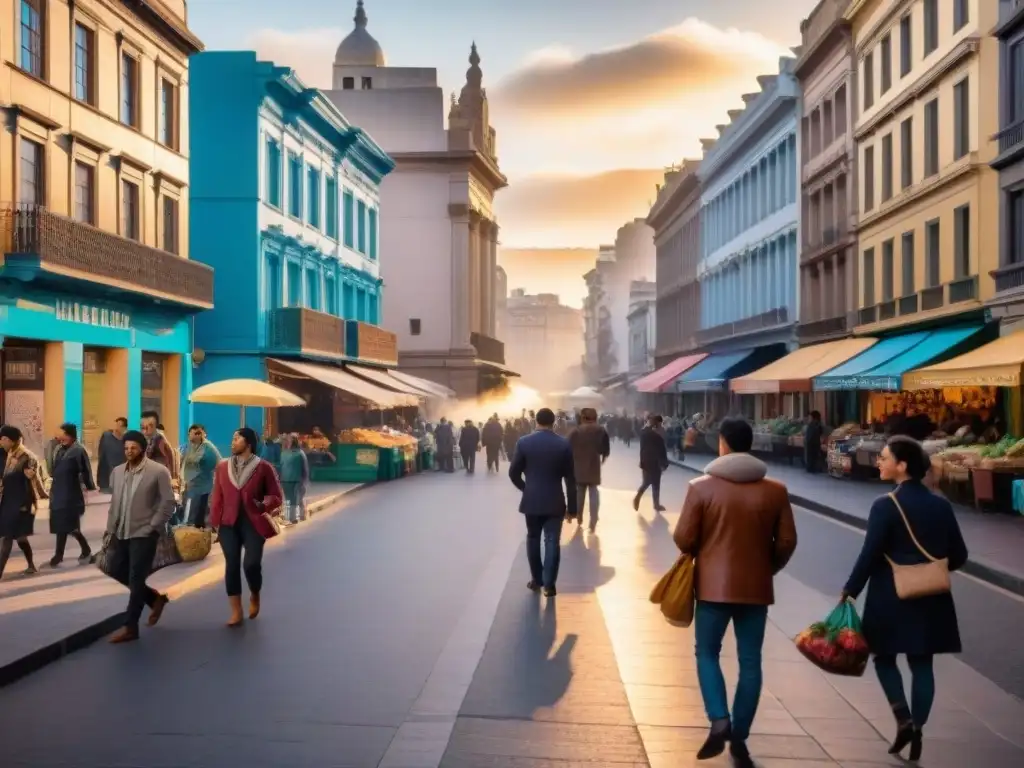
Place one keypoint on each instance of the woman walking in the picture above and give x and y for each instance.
(246, 496)
(916, 617)
(21, 491)
(72, 471)
(294, 477)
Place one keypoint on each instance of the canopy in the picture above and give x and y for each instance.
(431, 388)
(353, 385)
(664, 376)
(714, 370)
(385, 379)
(997, 364)
(793, 373)
(585, 394)
(245, 392)
(882, 366)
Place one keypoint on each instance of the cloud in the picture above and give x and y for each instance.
(681, 61)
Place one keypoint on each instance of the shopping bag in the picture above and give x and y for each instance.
(674, 592)
(102, 557)
(193, 543)
(166, 552)
(837, 644)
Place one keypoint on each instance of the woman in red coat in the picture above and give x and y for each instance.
(246, 495)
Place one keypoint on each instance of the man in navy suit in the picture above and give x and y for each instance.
(546, 461)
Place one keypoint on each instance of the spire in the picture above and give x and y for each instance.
(360, 17)
(474, 57)
(474, 75)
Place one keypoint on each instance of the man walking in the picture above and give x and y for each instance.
(199, 460)
(158, 449)
(469, 444)
(111, 451)
(445, 437)
(653, 461)
(739, 527)
(541, 465)
(71, 472)
(492, 437)
(141, 504)
(590, 448)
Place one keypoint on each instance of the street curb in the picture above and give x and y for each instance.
(978, 570)
(36, 660)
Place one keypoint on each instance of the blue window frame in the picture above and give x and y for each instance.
(294, 285)
(331, 289)
(273, 178)
(312, 289)
(373, 233)
(313, 200)
(372, 310)
(361, 304)
(273, 282)
(361, 227)
(350, 204)
(331, 200)
(349, 310)
(295, 185)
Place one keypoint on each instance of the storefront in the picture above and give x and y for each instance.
(705, 387)
(660, 383)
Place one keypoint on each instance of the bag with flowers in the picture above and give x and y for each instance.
(837, 644)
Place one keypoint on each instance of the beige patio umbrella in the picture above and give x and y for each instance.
(245, 392)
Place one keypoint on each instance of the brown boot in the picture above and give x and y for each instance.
(158, 609)
(235, 602)
(124, 635)
(254, 604)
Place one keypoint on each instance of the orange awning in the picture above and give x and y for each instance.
(664, 376)
(793, 373)
(997, 364)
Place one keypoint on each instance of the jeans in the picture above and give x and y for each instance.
(130, 561)
(295, 498)
(584, 490)
(651, 480)
(62, 543)
(711, 622)
(234, 539)
(469, 460)
(922, 686)
(544, 571)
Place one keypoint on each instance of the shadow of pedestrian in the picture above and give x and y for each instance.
(659, 551)
(581, 570)
(542, 677)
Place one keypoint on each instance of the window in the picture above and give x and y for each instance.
(906, 46)
(130, 210)
(869, 277)
(361, 304)
(907, 256)
(932, 269)
(313, 202)
(886, 63)
(887, 270)
(1016, 81)
(312, 290)
(373, 233)
(168, 114)
(273, 177)
(1016, 209)
(129, 90)
(31, 186)
(367, 83)
(907, 153)
(361, 226)
(331, 289)
(85, 192)
(869, 178)
(960, 14)
(415, 326)
(295, 185)
(962, 241)
(84, 66)
(331, 200)
(886, 167)
(961, 119)
(868, 81)
(170, 225)
(294, 284)
(931, 138)
(348, 83)
(371, 311)
(32, 47)
(931, 26)
(349, 297)
(350, 219)
(273, 282)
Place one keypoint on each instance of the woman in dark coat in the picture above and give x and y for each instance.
(21, 491)
(71, 471)
(917, 627)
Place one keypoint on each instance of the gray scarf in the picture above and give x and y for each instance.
(240, 472)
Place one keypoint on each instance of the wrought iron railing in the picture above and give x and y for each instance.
(830, 326)
(763, 321)
(1009, 277)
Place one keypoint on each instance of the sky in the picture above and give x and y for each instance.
(591, 99)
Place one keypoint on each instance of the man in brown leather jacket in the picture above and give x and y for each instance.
(739, 527)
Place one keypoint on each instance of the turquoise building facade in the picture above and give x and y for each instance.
(285, 198)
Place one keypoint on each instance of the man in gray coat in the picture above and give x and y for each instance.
(141, 504)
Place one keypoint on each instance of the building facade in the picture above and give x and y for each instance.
(632, 258)
(675, 218)
(642, 320)
(290, 210)
(828, 247)
(543, 341)
(749, 220)
(1007, 301)
(928, 218)
(97, 288)
(442, 270)
(599, 359)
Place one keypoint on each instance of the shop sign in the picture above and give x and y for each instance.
(367, 457)
(23, 369)
(75, 312)
(369, 342)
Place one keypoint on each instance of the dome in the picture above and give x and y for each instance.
(359, 49)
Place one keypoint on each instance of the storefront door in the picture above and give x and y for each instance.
(153, 369)
(23, 393)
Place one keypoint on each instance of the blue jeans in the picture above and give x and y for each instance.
(711, 621)
(544, 572)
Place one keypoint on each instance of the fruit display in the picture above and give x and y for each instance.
(837, 644)
(377, 438)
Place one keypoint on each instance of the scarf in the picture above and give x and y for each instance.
(193, 455)
(241, 472)
(21, 454)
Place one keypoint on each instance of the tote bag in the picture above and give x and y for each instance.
(674, 592)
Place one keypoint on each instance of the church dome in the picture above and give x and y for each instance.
(360, 49)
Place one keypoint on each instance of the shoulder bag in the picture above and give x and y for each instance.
(924, 580)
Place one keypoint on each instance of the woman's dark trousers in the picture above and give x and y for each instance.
(922, 687)
(62, 543)
(234, 540)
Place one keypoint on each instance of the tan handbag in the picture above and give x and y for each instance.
(924, 580)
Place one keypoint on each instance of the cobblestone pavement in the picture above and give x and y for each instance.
(398, 633)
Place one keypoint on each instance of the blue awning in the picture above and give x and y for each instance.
(882, 366)
(714, 370)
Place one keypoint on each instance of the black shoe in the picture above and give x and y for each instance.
(85, 557)
(533, 586)
(715, 743)
(55, 562)
(916, 746)
(741, 755)
(904, 736)
(636, 503)
(659, 508)
(550, 591)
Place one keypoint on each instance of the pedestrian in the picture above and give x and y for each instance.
(246, 496)
(111, 452)
(294, 478)
(72, 471)
(813, 433)
(141, 505)
(739, 527)
(509, 436)
(198, 462)
(590, 449)
(469, 444)
(158, 448)
(492, 437)
(541, 465)
(653, 462)
(20, 494)
(909, 527)
(445, 445)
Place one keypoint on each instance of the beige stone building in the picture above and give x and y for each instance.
(928, 200)
(543, 340)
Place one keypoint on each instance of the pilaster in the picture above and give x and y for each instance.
(459, 215)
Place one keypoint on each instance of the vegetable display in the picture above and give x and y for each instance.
(375, 438)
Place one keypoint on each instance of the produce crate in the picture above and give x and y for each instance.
(390, 465)
(352, 464)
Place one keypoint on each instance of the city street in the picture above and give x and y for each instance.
(397, 632)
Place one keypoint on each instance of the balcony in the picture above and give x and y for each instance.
(820, 329)
(301, 331)
(957, 291)
(1009, 279)
(1011, 144)
(831, 239)
(488, 349)
(763, 322)
(45, 246)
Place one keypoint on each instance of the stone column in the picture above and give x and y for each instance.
(486, 282)
(473, 294)
(493, 272)
(459, 300)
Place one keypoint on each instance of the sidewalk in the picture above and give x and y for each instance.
(56, 612)
(995, 541)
